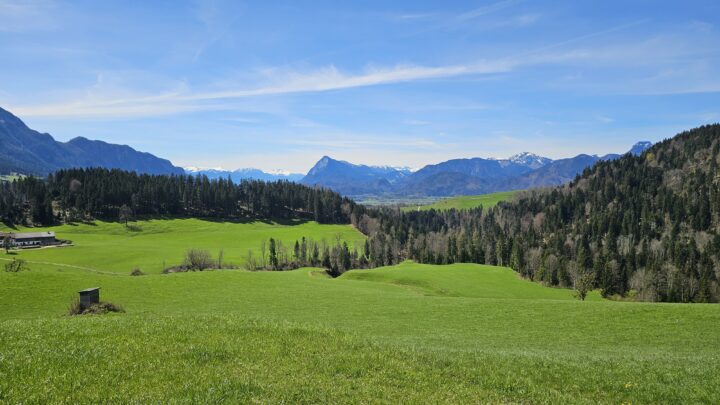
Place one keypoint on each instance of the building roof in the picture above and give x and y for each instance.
(32, 235)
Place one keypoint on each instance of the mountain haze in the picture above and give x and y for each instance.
(243, 174)
(350, 179)
(455, 176)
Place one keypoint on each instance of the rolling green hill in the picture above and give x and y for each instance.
(466, 202)
(460, 280)
(406, 333)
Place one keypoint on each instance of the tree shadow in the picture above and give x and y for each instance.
(81, 222)
(274, 221)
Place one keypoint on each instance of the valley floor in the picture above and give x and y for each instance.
(409, 333)
(464, 202)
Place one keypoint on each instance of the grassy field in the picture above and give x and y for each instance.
(10, 177)
(407, 333)
(110, 246)
(465, 202)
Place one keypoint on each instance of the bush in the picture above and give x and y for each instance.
(15, 266)
(94, 309)
(198, 259)
(137, 272)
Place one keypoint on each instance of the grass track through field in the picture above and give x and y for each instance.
(70, 266)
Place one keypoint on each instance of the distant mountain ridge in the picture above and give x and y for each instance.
(243, 174)
(24, 150)
(350, 179)
(455, 176)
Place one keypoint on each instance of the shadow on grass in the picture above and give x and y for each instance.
(133, 227)
(235, 220)
(10, 225)
(81, 222)
(232, 220)
(276, 221)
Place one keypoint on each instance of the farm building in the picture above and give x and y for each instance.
(30, 239)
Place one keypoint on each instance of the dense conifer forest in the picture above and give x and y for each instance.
(646, 225)
(82, 194)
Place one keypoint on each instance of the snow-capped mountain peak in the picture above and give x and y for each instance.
(530, 159)
(195, 169)
(640, 147)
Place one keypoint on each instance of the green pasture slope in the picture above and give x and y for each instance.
(465, 202)
(409, 333)
(112, 247)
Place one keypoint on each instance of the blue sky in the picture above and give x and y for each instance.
(276, 85)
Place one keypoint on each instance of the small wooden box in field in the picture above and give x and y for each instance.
(89, 297)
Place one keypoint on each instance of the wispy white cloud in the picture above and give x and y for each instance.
(648, 53)
(344, 140)
(416, 122)
(485, 10)
(26, 15)
(280, 82)
(217, 18)
(480, 18)
(414, 16)
(330, 78)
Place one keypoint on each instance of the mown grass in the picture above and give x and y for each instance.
(201, 359)
(148, 245)
(465, 202)
(462, 280)
(408, 333)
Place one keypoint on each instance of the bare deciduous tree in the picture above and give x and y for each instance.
(582, 281)
(198, 259)
(125, 214)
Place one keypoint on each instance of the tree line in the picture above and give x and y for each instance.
(336, 257)
(82, 194)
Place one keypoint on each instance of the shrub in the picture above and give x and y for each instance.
(137, 272)
(198, 259)
(15, 266)
(94, 309)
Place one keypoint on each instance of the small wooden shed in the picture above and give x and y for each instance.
(89, 296)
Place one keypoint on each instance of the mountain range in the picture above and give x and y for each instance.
(243, 174)
(26, 151)
(454, 177)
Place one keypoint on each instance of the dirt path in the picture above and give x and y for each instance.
(71, 266)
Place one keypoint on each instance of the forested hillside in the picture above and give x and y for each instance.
(646, 223)
(77, 194)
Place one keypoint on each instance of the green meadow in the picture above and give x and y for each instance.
(465, 202)
(113, 247)
(409, 333)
